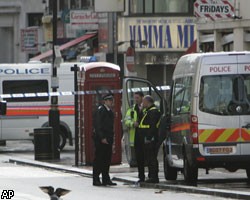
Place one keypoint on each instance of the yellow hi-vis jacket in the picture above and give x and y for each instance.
(150, 123)
(130, 118)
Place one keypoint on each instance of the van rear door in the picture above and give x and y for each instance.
(243, 103)
(223, 113)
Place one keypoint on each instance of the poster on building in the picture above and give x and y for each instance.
(103, 32)
(213, 9)
(29, 40)
(48, 31)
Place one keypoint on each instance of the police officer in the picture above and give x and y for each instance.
(148, 128)
(132, 120)
(103, 139)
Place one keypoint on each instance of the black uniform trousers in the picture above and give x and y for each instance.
(102, 161)
(151, 151)
(146, 154)
(140, 154)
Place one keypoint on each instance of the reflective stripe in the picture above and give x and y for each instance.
(158, 123)
(224, 135)
(141, 125)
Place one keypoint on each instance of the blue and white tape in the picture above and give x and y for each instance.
(70, 93)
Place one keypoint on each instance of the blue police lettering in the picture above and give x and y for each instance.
(45, 71)
(25, 71)
(7, 194)
(21, 71)
(34, 71)
(9, 71)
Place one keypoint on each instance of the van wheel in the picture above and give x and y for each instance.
(190, 172)
(248, 173)
(2, 142)
(169, 172)
(62, 138)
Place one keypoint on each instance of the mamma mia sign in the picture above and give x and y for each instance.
(166, 34)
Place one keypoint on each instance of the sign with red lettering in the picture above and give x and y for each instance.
(247, 68)
(219, 69)
(244, 68)
(213, 9)
(87, 20)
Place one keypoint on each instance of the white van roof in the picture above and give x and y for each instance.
(188, 64)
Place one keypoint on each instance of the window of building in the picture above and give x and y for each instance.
(64, 5)
(71, 4)
(86, 3)
(207, 47)
(161, 6)
(136, 6)
(148, 6)
(228, 46)
(26, 86)
(35, 19)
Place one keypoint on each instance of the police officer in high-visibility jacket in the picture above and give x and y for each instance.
(132, 120)
(148, 127)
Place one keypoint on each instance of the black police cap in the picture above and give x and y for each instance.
(108, 96)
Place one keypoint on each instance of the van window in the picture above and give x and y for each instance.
(135, 86)
(26, 86)
(225, 94)
(182, 95)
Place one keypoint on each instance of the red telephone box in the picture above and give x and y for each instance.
(97, 78)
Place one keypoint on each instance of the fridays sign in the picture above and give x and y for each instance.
(213, 9)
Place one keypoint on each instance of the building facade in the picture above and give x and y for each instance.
(15, 17)
(229, 32)
(169, 28)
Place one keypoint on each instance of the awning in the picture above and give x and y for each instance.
(192, 48)
(65, 46)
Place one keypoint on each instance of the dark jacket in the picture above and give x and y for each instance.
(150, 119)
(104, 124)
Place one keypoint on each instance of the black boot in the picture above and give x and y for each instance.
(109, 182)
(97, 182)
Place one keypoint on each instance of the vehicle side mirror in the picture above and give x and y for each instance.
(3, 107)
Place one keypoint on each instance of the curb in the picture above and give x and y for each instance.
(130, 180)
(192, 189)
(46, 165)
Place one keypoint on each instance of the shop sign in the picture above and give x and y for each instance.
(87, 20)
(166, 34)
(213, 9)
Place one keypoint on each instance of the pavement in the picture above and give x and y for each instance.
(122, 172)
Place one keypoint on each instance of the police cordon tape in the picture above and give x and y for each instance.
(88, 92)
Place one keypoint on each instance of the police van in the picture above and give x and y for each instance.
(209, 115)
(26, 88)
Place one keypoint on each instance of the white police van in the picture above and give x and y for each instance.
(33, 81)
(209, 115)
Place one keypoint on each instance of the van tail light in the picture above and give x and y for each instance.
(194, 129)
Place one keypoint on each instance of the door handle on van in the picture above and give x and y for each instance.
(246, 126)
